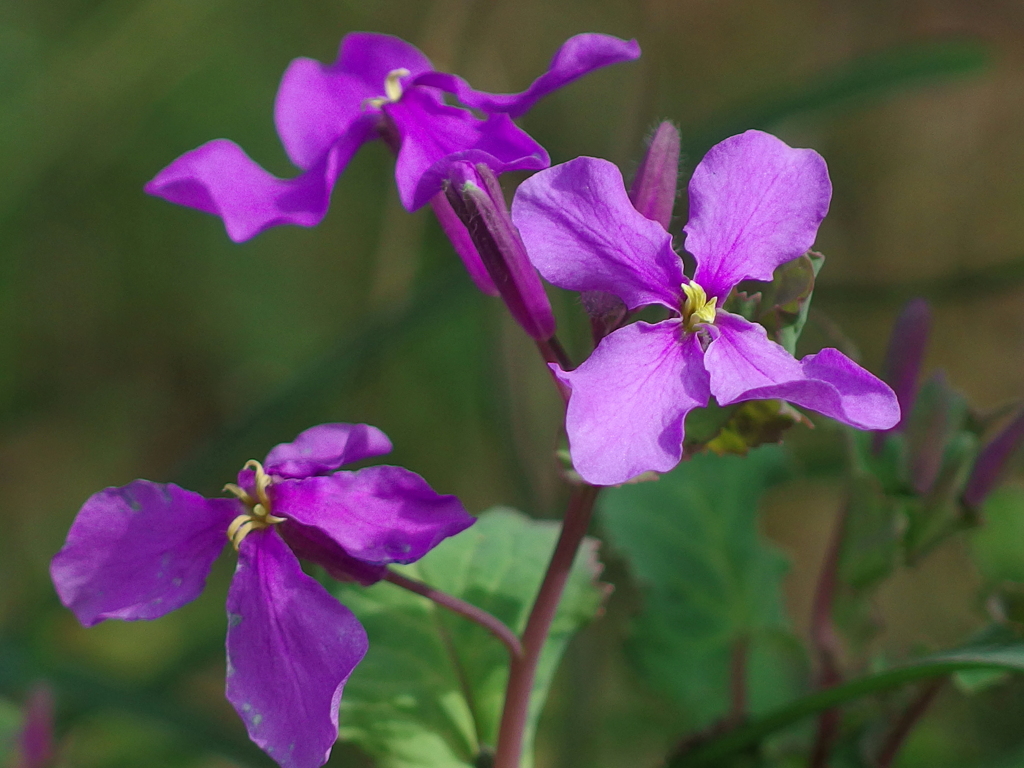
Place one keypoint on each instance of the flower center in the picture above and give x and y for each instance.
(258, 517)
(392, 89)
(697, 308)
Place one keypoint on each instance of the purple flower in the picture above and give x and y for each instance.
(755, 203)
(140, 551)
(380, 86)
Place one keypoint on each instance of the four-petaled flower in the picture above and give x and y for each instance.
(380, 86)
(140, 551)
(755, 203)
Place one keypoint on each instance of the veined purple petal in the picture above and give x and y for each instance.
(576, 57)
(140, 551)
(582, 233)
(746, 365)
(378, 514)
(291, 647)
(435, 135)
(318, 103)
(219, 178)
(629, 400)
(457, 233)
(755, 203)
(324, 448)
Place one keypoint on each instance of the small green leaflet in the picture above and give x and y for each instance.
(429, 693)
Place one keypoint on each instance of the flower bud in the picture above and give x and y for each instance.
(654, 189)
(36, 738)
(456, 232)
(906, 350)
(476, 197)
(992, 460)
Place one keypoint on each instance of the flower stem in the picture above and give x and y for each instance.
(906, 722)
(524, 668)
(491, 623)
(825, 642)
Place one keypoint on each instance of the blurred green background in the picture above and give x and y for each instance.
(138, 341)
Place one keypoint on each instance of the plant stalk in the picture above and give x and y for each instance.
(524, 668)
(491, 623)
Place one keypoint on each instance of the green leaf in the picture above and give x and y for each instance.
(998, 546)
(710, 583)
(429, 693)
(1007, 655)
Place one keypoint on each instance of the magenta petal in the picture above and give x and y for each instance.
(219, 178)
(315, 546)
(746, 365)
(140, 551)
(324, 448)
(576, 57)
(378, 514)
(435, 135)
(755, 203)
(317, 103)
(582, 233)
(629, 399)
(291, 647)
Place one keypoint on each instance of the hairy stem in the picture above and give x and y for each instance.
(524, 668)
(906, 722)
(479, 616)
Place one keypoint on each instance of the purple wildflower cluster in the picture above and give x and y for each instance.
(145, 549)
(142, 550)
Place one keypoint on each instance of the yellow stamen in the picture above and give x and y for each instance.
(258, 517)
(697, 308)
(392, 89)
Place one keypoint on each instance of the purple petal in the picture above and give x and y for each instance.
(317, 103)
(745, 365)
(462, 243)
(577, 56)
(378, 514)
(629, 400)
(755, 203)
(324, 448)
(313, 545)
(219, 178)
(653, 192)
(582, 233)
(434, 136)
(291, 647)
(140, 551)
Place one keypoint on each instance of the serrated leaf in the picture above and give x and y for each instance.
(429, 693)
(709, 581)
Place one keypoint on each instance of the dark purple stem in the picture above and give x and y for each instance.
(477, 615)
(826, 643)
(524, 668)
(910, 717)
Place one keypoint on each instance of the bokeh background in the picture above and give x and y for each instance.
(137, 341)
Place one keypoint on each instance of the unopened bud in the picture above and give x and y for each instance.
(462, 243)
(992, 460)
(36, 738)
(654, 189)
(905, 354)
(476, 197)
